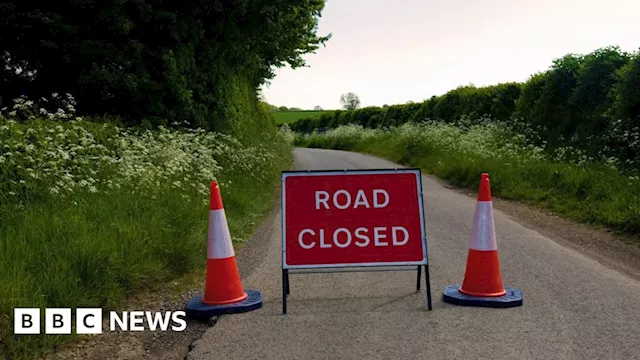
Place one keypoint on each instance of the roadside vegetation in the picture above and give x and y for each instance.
(568, 139)
(565, 181)
(285, 117)
(104, 193)
(92, 212)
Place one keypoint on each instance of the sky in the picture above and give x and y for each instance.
(395, 51)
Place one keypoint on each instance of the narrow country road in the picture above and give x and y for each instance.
(574, 307)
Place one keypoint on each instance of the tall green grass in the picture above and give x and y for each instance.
(91, 213)
(564, 181)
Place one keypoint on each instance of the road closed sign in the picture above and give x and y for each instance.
(352, 218)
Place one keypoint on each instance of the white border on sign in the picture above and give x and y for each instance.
(283, 207)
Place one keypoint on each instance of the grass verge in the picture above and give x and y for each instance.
(590, 192)
(91, 214)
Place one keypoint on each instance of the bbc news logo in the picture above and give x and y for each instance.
(89, 321)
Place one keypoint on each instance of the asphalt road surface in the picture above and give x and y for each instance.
(574, 307)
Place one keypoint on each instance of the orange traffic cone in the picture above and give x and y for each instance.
(482, 285)
(223, 292)
(223, 283)
(482, 276)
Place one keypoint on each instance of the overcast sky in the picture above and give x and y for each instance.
(393, 51)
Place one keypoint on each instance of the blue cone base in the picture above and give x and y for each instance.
(512, 298)
(197, 310)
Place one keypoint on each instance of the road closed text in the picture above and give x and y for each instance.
(341, 199)
(343, 237)
(352, 218)
(361, 236)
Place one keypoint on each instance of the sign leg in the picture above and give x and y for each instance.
(285, 290)
(419, 278)
(288, 283)
(428, 284)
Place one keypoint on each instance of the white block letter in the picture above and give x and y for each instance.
(377, 236)
(136, 319)
(395, 236)
(361, 199)
(322, 244)
(376, 204)
(362, 237)
(323, 200)
(302, 244)
(335, 238)
(178, 317)
(158, 319)
(335, 199)
(115, 319)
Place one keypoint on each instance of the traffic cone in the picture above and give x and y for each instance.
(223, 292)
(482, 285)
(482, 276)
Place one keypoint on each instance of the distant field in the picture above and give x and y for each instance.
(291, 116)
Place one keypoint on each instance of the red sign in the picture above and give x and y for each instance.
(352, 218)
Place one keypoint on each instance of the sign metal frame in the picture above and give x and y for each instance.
(417, 266)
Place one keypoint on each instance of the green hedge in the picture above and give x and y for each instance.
(587, 191)
(496, 101)
(591, 102)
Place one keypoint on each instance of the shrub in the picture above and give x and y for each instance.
(567, 181)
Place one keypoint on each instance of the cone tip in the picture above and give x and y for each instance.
(484, 194)
(215, 202)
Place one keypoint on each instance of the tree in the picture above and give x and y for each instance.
(317, 108)
(350, 101)
(626, 93)
(283, 108)
(268, 107)
(190, 59)
(591, 98)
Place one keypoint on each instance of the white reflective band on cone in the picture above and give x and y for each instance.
(483, 236)
(219, 245)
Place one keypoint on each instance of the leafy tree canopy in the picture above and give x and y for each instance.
(160, 58)
(350, 101)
